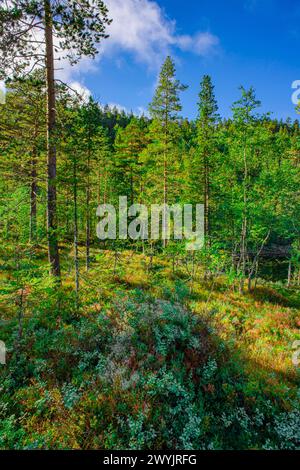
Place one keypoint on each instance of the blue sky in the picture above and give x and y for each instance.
(237, 42)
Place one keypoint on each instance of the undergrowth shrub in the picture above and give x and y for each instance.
(142, 373)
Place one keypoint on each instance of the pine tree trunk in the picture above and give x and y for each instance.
(98, 187)
(105, 187)
(33, 197)
(243, 253)
(165, 184)
(206, 211)
(165, 202)
(206, 198)
(53, 252)
(289, 278)
(88, 215)
(131, 186)
(76, 259)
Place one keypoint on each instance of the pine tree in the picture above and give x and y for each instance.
(206, 130)
(129, 144)
(164, 109)
(23, 135)
(90, 118)
(77, 27)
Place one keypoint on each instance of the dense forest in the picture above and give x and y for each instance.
(141, 344)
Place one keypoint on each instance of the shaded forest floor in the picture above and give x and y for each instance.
(148, 360)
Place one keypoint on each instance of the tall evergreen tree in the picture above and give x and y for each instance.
(164, 108)
(90, 118)
(22, 139)
(69, 28)
(129, 144)
(206, 142)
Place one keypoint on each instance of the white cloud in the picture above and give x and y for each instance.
(201, 43)
(141, 111)
(141, 27)
(138, 111)
(80, 90)
(65, 72)
(2, 92)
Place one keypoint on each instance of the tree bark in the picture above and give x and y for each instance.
(206, 197)
(165, 179)
(289, 278)
(165, 203)
(76, 259)
(33, 189)
(53, 252)
(88, 214)
(33, 197)
(254, 267)
(244, 225)
(206, 211)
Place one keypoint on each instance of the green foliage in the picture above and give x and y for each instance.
(82, 25)
(166, 104)
(143, 373)
(154, 348)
